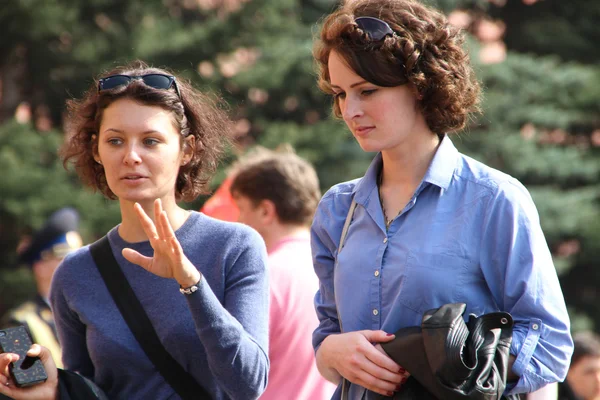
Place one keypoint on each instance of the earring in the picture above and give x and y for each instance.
(99, 162)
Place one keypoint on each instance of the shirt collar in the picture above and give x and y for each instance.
(439, 173)
(443, 165)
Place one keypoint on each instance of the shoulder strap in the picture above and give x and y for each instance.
(349, 216)
(134, 314)
(347, 225)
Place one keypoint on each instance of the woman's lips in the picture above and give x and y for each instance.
(363, 130)
(133, 179)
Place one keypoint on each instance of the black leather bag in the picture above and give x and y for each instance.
(72, 386)
(449, 359)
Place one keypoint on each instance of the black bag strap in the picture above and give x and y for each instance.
(349, 216)
(134, 314)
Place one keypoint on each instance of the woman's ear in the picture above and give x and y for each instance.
(189, 148)
(95, 149)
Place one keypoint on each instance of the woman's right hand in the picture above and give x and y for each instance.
(44, 391)
(355, 358)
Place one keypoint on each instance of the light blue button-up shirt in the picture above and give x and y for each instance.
(469, 234)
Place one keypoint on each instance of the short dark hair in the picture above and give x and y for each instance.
(586, 344)
(425, 51)
(194, 113)
(282, 177)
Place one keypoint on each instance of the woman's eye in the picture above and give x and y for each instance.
(340, 95)
(150, 142)
(114, 141)
(368, 92)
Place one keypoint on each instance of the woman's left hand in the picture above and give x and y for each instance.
(168, 261)
(47, 390)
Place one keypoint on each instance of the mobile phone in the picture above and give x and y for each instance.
(27, 370)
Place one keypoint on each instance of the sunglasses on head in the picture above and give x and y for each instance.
(156, 81)
(375, 28)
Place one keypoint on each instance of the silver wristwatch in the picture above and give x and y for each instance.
(189, 290)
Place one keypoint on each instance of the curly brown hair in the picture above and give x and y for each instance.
(425, 51)
(194, 113)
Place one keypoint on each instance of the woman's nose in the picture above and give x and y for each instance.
(351, 109)
(132, 156)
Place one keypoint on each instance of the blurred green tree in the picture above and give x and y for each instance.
(33, 185)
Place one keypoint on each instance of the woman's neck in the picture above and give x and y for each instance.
(407, 164)
(131, 229)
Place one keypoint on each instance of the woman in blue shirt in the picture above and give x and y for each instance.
(431, 226)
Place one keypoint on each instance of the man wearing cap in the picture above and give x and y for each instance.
(43, 253)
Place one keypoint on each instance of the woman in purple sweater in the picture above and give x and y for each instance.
(148, 139)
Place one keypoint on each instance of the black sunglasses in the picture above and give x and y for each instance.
(156, 81)
(375, 28)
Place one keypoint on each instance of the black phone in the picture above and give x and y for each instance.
(27, 370)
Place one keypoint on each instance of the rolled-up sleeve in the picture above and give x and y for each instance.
(518, 268)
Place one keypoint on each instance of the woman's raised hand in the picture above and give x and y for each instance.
(168, 261)
(355, 358)
(44, 391)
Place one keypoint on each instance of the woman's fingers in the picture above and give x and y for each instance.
(147, 223)
(378, 372)
(136, 258)
(34, 350)
(46, 358)
(5, 379)
(5, 360)
(365, 373)
(386, 363)
(377, 357)
(166, 225)
(158, 211)
(373, 368)
(376, 384)
(378, 336)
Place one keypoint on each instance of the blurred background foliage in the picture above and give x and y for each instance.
(538, 61)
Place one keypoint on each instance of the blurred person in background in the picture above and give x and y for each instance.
(583, 378)
(430, 226)
(276, 193)
(43, 252)
(144, 137)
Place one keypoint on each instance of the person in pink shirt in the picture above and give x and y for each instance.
(277, 194)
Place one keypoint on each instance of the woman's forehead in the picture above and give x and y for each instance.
(127, 115)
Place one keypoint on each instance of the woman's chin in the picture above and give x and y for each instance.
(369, 147)
(136, 198)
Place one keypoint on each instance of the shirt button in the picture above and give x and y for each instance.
(376, 273)
(535, 327)
(375, 312)
(385, 240)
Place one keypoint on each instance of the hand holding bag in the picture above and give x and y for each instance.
(449, 359)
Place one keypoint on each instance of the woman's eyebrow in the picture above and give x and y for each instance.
(352, 85)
